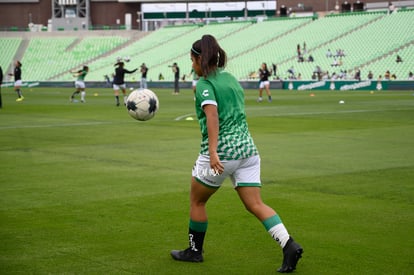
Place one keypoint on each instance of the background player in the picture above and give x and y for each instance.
(119, 82)
(264, 75)
(18, 80)
(80, 83)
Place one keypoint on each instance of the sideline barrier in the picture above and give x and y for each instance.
(295, 85)
(348, 85)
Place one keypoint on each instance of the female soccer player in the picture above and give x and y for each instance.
(18, 80)
(227, 150)
(264, 75)
(80, 83)
(119, 82)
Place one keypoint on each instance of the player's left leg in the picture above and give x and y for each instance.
(249, 192)
(269, 95)
(83, 94)
(292, 251)
(123, 88)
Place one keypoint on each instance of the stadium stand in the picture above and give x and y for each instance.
(370, 40)
(9, 47)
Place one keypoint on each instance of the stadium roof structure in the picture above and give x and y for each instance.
(182, 1)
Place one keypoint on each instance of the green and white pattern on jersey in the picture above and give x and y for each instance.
(234, 141)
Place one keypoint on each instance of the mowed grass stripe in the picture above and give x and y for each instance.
(104, 194)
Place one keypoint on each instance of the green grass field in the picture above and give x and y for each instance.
(85, 189)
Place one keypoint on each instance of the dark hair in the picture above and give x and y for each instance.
(212, 55)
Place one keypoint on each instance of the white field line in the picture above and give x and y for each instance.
(184, 116)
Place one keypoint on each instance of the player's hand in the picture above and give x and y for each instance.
(215, 164)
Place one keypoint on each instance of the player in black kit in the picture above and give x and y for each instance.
(119, 82)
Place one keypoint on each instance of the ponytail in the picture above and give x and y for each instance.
(212, 55)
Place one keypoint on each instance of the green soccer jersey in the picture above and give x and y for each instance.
(81, 76)
(223, 90)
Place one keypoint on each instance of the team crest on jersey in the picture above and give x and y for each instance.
(205, 93)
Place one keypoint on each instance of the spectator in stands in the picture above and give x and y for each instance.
(329, 53)
(391, 7)
(80, 83)
(393, 77)
(291, 72)
(340, 53)
(335, 63)
(370, 75)
(264, 75)
(342, 74)
(310, 58)
(326, 75)
(318, 72)
(398, 59)
(160, 77)
(119, 81)
(17, 80)
(387, 75)
(410, 76)
(176, 71)
(144, 71)
(357, 75)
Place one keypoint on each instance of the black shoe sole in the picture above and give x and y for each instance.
(180, 255)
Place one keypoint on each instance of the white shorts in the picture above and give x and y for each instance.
(80, 84)
(263, 84)
(18, 83)
(243, 172)
(119, 86)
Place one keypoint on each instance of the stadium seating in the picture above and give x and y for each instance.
(9, 47)
(371, 41)
(50, 57)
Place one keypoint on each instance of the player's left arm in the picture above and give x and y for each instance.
(211, 113)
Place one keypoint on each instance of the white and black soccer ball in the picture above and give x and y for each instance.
(127, 59)
(142, 104)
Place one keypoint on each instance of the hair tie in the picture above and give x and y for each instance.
(195, 51)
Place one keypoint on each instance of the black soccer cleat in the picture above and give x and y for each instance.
(187, 255)
(292, 252)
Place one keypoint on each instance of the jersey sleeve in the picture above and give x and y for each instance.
(205, 93)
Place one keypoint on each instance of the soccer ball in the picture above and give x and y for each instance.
(142, 104)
